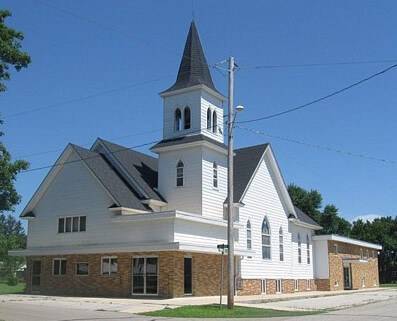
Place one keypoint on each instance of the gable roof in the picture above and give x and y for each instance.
(110, 179)
(305, 218)
(193, 69)
(245, 163)
(141, 168)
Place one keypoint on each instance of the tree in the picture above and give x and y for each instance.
(332, 223)
(10, 50)
(308, 201)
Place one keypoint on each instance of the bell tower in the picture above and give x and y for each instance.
(192, 155)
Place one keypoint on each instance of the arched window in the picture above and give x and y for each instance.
(249, 237)
(179, 173)
(308, 248)
(299, 249)
(186, 118)
(177, 120)
(266, 247)
(215, 174)
(214, 122)
(209, 125)
(281, 243)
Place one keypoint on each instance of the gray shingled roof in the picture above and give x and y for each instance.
(305, 218)
(193, 69)
(141, 167)
(245, 163)
(109, 178)
(187, 139)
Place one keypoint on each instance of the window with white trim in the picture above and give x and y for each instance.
(281, 243)
(82, 268)
(266, 242)
(299, 249)
(109, 265)
(249, 237)
(70, 224)
(177, 120)
(361, 254)
(209, 118)
(179, 173)
(145, 272)
(307, 249)
(59, 267)
(215, 175)
(214, 122)
(308, 284)
(296, 285)
(186, 118)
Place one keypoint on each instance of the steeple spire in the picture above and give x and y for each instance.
(193, 69)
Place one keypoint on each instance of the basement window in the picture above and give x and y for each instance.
(296, 285)
(279, 286)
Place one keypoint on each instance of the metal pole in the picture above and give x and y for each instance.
(221, 288)
(230, 240)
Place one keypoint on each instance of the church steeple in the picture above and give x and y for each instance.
(193, 69)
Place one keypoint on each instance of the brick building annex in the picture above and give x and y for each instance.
(112, 221)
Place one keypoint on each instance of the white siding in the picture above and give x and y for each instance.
(199, 101)
(185, 198)
(75, 192)
(213, 198)
(321, 265)
(262, 199)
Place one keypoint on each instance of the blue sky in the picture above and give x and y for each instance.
(100, 65)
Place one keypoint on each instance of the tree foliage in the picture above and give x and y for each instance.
(10, 50)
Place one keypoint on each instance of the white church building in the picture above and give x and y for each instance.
(112, 221)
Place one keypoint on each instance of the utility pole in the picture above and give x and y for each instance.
(230, 212)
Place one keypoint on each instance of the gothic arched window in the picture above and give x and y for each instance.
(177, 120)
(299, 249)
(308, 249)
(281, 243)
(179, 173)
(266, 247)
(249, 237)
(214, 122)
(209, 125)
(186, 118)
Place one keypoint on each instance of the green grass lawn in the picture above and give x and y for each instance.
(6, 289)
(213, 311)
(389, 285)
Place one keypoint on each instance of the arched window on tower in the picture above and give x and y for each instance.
(249, 237)
(266, 247)
(209, 125)
(281, 243)
(177, 120)
(214, 122)
(186, 118)
(179, 173)
(299, 249)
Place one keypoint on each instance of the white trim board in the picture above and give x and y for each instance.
(344, 239)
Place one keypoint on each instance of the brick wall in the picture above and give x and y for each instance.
(205, 275)
(254, 286)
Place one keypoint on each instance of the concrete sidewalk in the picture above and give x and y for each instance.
(295, 301)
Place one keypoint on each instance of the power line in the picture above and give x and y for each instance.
(99, 155)
(326, 64)
(317, 146)
(334, 93)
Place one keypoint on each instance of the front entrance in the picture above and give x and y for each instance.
(36, 276)
(187, 276)
(145, 275)
(347, 277)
